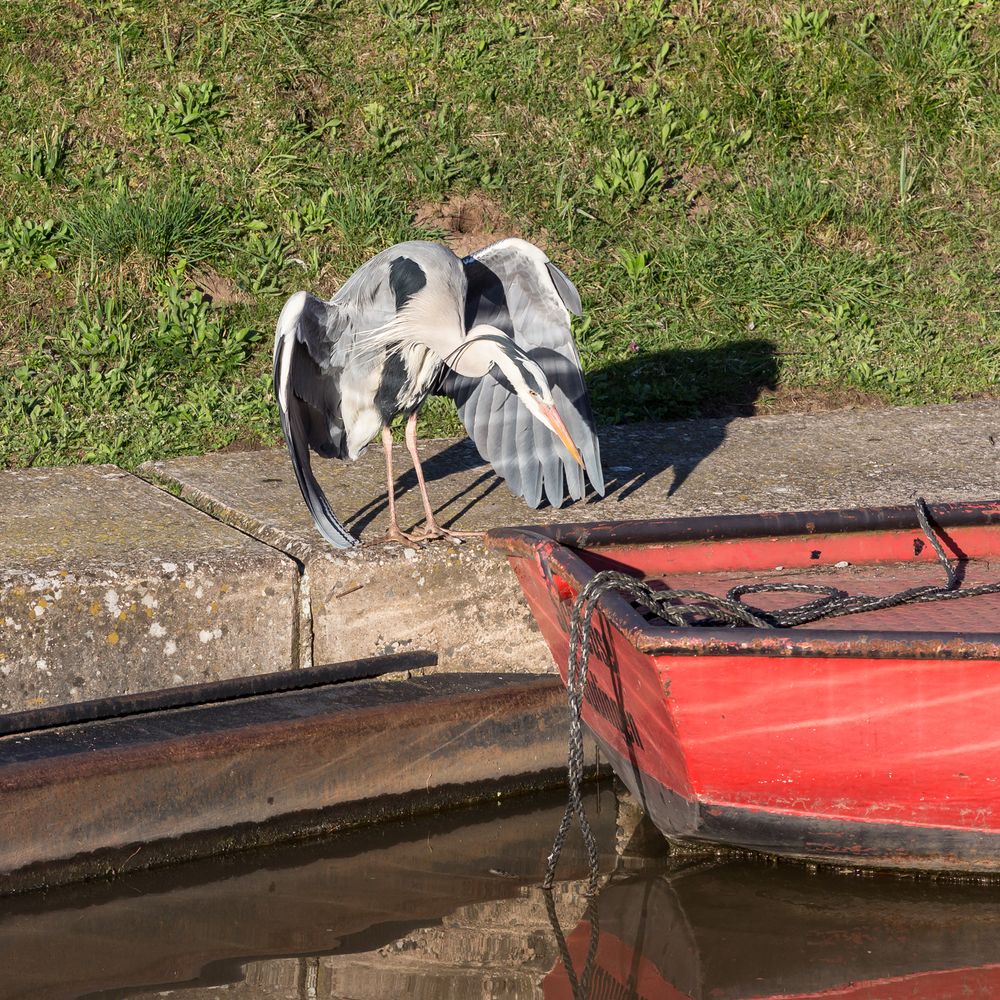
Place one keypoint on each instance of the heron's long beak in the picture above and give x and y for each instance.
(559, 429)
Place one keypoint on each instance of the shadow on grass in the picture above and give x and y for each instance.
(715, 385)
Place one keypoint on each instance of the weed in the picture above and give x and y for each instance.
(638, 264)
(405, 10)
(447, 166)
(907, 175)
(269, 254)
(149, 228)
(386, 137)
(311, 216)
(45, 158)
(805, 24)
(194, 113)
(30, 246)
(187, 328)
(628, 173)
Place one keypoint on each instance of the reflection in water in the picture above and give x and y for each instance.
(741, 930)
(451, 907)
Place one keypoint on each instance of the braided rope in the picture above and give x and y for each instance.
(711, 610)
(579, 988)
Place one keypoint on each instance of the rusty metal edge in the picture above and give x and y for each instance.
(230, 689)
(553, 546)
(522, 697)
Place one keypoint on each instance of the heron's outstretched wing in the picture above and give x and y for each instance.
(513, 286)
(343, 368)
(306, 382)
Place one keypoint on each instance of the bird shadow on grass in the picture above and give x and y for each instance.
(714, 385)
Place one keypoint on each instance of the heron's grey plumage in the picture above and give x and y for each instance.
(328, 375)
(344, 368)
(513, 286)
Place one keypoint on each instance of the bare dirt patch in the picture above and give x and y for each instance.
(468, 222)
(816, 399)
(691, 183)
(220, 290)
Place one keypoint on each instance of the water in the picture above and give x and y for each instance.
(451, 908)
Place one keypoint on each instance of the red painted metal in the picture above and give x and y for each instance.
(866, 740)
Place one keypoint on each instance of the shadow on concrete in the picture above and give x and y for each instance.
(710, 387)
(714, 385)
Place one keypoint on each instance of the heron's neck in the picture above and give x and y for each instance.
(477, 356)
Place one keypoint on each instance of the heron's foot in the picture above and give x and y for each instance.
(433, 530)
(409, 539)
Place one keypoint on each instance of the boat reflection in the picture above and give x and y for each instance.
(259, 918)
(452, 906)
(737, 930)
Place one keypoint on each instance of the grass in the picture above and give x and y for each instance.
(763, 204)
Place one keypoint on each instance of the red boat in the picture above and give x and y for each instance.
(868, 740)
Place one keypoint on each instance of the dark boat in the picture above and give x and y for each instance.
(864, 740)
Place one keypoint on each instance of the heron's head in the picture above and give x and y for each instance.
(487, 347)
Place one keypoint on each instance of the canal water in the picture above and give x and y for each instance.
(451, 908)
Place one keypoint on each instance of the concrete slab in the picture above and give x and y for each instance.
(465, 604)
(110, 586)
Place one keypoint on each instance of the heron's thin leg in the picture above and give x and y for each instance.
(392, 534)
(432, 528)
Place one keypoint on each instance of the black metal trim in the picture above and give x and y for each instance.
(188, 695)
(930, 850)
(777, 523)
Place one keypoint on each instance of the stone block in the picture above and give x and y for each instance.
(109, 586)
(465, 604)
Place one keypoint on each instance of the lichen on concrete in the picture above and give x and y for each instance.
(110, 586)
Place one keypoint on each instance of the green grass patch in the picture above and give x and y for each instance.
(763, 204)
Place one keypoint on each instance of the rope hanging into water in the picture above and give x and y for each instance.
(711, 610)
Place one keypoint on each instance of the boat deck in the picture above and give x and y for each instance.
(968, 614)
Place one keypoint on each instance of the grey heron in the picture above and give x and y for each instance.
(492, 331)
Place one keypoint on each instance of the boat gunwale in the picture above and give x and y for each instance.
(554, 547)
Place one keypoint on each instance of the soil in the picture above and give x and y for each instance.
(220, 290)
(467, 222)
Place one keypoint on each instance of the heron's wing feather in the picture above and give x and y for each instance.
(306, 382)
(514, 287)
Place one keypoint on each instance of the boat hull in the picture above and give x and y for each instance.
(857, 747)
(842, 843)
